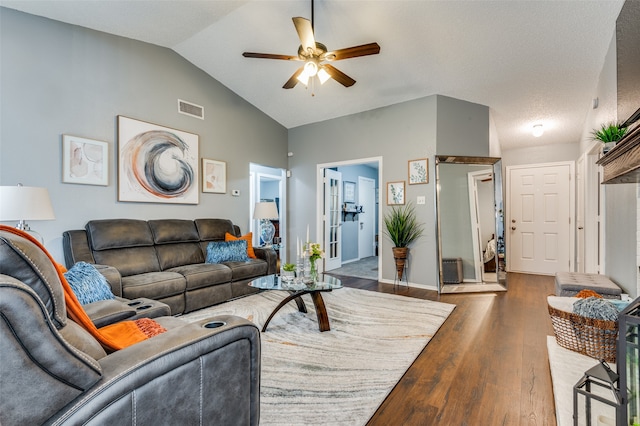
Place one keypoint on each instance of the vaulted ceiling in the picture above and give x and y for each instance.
(529, 61)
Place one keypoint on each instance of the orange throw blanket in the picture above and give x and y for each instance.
(113, 337)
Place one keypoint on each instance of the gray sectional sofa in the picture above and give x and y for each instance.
(164, 260)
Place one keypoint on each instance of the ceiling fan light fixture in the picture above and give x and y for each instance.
(303, 78)
(538, 130)
(323, 75)
(311, 68)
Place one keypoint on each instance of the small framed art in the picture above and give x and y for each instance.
(418, 171)
(214, 176)
(85, 161)
(349, 194)
(395, 193)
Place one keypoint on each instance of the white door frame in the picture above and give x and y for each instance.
(572, 205)
(255, 175)
(320, 197)
(476, 226)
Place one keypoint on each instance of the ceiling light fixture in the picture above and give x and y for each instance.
(311, 70)
(538, 130)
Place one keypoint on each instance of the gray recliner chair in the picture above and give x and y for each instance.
(54, 372)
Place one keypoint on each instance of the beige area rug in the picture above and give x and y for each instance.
(341, 376)
(567, 367)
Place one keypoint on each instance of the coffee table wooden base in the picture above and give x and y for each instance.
(318, 303)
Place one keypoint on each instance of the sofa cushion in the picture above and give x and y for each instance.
(118, 233)
(248, 238)
(248, 269)
(204, 274)
(214, 229)
(88, 284)
(129, 261)
(227, 251)
(177, 254)
(173, 231)
(153, 285)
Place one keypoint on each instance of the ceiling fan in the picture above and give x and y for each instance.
(315, 57)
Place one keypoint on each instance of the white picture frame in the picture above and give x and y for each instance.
(85, 161)
(214, 176)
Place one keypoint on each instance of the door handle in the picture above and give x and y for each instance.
(580, 228)
(513, 228)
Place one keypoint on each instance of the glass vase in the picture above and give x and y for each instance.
(313, 270)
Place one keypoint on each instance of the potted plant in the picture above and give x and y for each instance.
(609, 134)
(402, 228)
(288, 271)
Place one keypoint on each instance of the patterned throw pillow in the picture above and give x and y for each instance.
(248, 238)
(227, 251)
(88, 284)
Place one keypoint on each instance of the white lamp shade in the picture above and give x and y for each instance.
(265, 210)
(25, 203)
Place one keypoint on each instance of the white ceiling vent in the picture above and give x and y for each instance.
(188, 108)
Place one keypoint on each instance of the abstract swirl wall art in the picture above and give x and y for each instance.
(156, 164)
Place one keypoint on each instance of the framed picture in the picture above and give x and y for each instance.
(418, 171)
(395, 193)
(349, 193)
(156, 164)
(214, 176)
(85, 161)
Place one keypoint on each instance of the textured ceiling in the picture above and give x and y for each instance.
(529, 61)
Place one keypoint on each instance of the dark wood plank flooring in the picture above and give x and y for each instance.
(487, 365)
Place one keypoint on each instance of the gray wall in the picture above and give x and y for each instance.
(541, 154)
(61, 79)
(462, 128)
(397, 133)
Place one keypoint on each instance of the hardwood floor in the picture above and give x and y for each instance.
(487, 365)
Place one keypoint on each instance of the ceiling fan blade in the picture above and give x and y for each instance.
(353, 52)
(339, 76)
(305, 32)
(270, 56)
(291, 83)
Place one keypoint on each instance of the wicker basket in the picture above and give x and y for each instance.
(592, 337)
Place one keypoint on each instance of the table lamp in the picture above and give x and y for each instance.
(24, 203)
(265, 211)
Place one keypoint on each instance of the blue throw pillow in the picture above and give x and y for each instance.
(88, 284)
(227, 251)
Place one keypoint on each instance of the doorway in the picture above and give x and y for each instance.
(269, 184)
(350, 231)
(540, 231)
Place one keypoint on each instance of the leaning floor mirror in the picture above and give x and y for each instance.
(470, 222)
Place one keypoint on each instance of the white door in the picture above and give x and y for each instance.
(539, 223)
(332, 219)
(366, 225)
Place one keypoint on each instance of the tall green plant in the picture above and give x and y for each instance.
(611, 132)
(402, 226)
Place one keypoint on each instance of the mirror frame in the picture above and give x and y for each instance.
(498, 189)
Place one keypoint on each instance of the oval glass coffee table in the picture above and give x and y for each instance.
(296, 291)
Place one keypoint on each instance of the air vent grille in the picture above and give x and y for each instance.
(191, 109)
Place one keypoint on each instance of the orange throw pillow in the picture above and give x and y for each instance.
(248, 237)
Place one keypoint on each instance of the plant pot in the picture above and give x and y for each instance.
(400, 255)
(608, 146)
